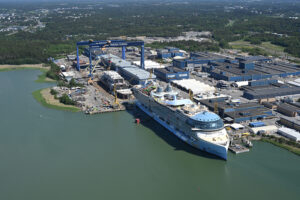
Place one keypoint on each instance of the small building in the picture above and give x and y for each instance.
(71, 57)
(171, 73)
(68, 75)
(256, 124)
(264, 129)
(289, 133)
(236, 126)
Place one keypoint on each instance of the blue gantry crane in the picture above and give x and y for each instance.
(109, 43)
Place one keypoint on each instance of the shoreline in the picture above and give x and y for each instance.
(42, 67)
(290, 148)
(24, 66)
(44, 97)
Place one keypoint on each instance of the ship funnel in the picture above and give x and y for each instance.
(169, 88)
(159, 89)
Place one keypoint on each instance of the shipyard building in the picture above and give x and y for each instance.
(248, 70)
(198, 59)
(169, 52)
(169, 74)
(130, 72)
(237, 112)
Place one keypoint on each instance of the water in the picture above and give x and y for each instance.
(49, 154)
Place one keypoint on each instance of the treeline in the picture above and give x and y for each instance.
(151, 19)
(191, 46)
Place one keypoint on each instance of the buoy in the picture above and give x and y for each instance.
(137, 120)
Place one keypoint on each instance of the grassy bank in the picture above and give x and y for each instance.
(39, 96)
(292, 149)
(41, 78)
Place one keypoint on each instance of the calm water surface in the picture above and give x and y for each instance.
(55, 155)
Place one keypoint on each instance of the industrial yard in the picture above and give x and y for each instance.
(256, 96)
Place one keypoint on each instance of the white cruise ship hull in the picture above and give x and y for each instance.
(215, 149)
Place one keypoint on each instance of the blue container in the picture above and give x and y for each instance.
(256, 124)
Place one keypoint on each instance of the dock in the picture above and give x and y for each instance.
(237, 148)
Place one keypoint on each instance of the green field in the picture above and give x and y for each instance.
(265, 47)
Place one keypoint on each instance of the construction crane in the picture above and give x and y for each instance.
(191, 95)
(110, 43)
(90, 81)
(116, 102)
(216, 108)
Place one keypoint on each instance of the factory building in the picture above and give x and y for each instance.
(130, 72)
(253, 59)
(270, 105)
(237, 112)
(289, 133)
(198, 59)
(290, 122)
(265, 92)
(288, 109)
(169, 52)
(171, 73)
(246, 70)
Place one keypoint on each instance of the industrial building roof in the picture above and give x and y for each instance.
(149, 64)
(260, 68)
(128, 67)
(248, 113)
(195, 86)
(169, 70)
(270, 92)
(270, 128)
(289, 132)
(139, 73)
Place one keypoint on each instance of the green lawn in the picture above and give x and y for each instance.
(273, 47)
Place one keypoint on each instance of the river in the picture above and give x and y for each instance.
(49, 154)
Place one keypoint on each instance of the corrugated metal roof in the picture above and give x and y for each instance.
(140, 73)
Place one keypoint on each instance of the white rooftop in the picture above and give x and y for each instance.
(68, 74)
(290, 132)
(149, 64)
(236, 126)
(270, 128)
(195, 86)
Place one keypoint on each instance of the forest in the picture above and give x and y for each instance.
(67, 23)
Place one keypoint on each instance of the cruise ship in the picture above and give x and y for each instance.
(190, 122)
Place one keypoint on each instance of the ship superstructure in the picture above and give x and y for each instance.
(191, 122)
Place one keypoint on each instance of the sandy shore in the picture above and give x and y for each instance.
(49, 98)
(35, 66)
